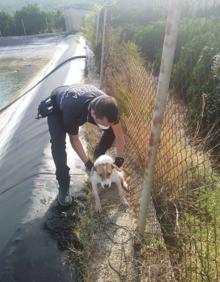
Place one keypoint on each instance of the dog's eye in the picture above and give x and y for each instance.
(102, 176)
(108, 174)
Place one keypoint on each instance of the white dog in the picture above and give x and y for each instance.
(103, 174)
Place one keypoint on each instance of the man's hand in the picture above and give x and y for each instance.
(119, 161)
(89, 165)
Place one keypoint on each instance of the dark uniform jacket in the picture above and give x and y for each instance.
(75, 102)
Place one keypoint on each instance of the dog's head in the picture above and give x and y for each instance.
(104, 167)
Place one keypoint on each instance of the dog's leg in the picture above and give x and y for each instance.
(124, 184)
(98, 206)
(121, 194)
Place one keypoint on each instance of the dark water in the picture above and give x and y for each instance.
(21, 58)
(14, 76)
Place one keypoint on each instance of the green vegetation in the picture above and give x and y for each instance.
(186, 191)
(88, 28)
(31, 20)
(196, 72)
(196, 75)
(13, 5)
(85, 230)
(200, 227)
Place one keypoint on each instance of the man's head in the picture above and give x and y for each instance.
(105, 111)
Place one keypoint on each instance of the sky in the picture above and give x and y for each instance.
(12, 5)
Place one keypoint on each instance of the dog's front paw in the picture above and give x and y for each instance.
(98, 208)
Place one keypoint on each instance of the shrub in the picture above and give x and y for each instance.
(34, 20)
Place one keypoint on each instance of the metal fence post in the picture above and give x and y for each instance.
(169, 47)
(97, 28)
(103, 45)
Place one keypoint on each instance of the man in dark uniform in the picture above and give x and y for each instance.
(76, 105)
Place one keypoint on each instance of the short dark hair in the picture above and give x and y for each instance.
(107, 107)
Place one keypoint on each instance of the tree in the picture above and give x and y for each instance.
(6, 24)
(33, 19)
(55, 21)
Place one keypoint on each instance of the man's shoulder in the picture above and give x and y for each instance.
(60, 90)
(80, 89)
(86, 88)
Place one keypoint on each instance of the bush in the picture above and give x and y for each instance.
(198, 44)
(193, 77)
(6, 24)
(150, 40)
(32, 19)
(89, 26)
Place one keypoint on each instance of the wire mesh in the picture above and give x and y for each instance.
(185, 212)
(182, 235)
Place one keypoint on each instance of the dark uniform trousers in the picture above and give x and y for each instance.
(58, 148)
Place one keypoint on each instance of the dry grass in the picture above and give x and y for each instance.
(184, 173)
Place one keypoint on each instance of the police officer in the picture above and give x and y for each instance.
(75, 105)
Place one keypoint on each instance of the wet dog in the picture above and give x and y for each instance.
(103, 174)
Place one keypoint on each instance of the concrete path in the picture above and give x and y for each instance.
(27, 183)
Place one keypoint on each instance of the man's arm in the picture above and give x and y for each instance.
(119, 139)
(78, 147)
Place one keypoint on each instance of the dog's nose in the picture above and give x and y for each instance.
(106, 186)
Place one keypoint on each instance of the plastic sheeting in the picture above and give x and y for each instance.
(28, 187)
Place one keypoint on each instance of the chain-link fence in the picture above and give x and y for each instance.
(185, 209)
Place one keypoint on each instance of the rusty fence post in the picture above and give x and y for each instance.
(169, 47)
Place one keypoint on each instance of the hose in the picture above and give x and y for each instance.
(46, 76)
